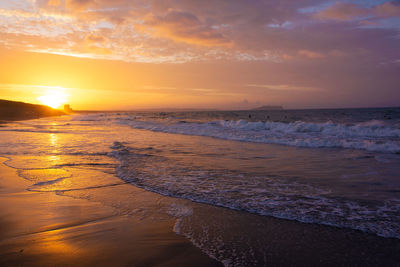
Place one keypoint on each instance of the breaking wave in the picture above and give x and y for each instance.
(271, 195)
(371, 136)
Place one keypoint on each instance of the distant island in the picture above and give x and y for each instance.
(268, 108)
(13, 110)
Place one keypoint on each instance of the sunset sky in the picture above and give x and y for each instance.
(134, 54)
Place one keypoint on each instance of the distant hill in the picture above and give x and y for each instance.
(12, 110)
(268, 108)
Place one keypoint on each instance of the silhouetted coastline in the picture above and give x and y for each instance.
(268, 108)
(13, 110)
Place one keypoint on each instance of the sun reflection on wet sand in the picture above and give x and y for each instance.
(55, 229)
(53, 242)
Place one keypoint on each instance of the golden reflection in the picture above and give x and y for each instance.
(54, 158)
(54, 243)
(54, 147)
(53, 140)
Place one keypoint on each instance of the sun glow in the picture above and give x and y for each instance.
(55, 97)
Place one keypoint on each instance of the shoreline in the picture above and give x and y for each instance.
(46, 229)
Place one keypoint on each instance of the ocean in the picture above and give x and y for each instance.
(338, 167)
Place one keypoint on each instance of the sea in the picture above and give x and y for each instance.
(335, 167)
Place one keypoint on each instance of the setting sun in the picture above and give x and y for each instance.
(54, 98)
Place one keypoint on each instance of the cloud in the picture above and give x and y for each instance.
(178, 31)
(54, 2)
(388, 9)
(310, 54)
(333, 53)
(342, 11)
(184, 27)
(93, 38)
(285, 87)
(78, 5)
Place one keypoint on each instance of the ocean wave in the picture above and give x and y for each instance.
(269, 195)
(371, 136)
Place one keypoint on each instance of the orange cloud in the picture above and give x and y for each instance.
(54, 2)
(78, 4)
(93, 38)
(184, 27)
(311, 54)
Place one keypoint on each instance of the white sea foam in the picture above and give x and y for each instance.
(371, 136)
(179, 211)
(281, 197)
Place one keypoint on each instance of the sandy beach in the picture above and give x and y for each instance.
(46, 229)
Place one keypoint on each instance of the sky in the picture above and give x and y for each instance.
(220, 54)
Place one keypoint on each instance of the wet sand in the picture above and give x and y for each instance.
(46, 229)
(268, 241)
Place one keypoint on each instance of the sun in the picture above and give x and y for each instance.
(53, 98)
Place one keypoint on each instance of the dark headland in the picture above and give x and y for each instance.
(13, 110)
